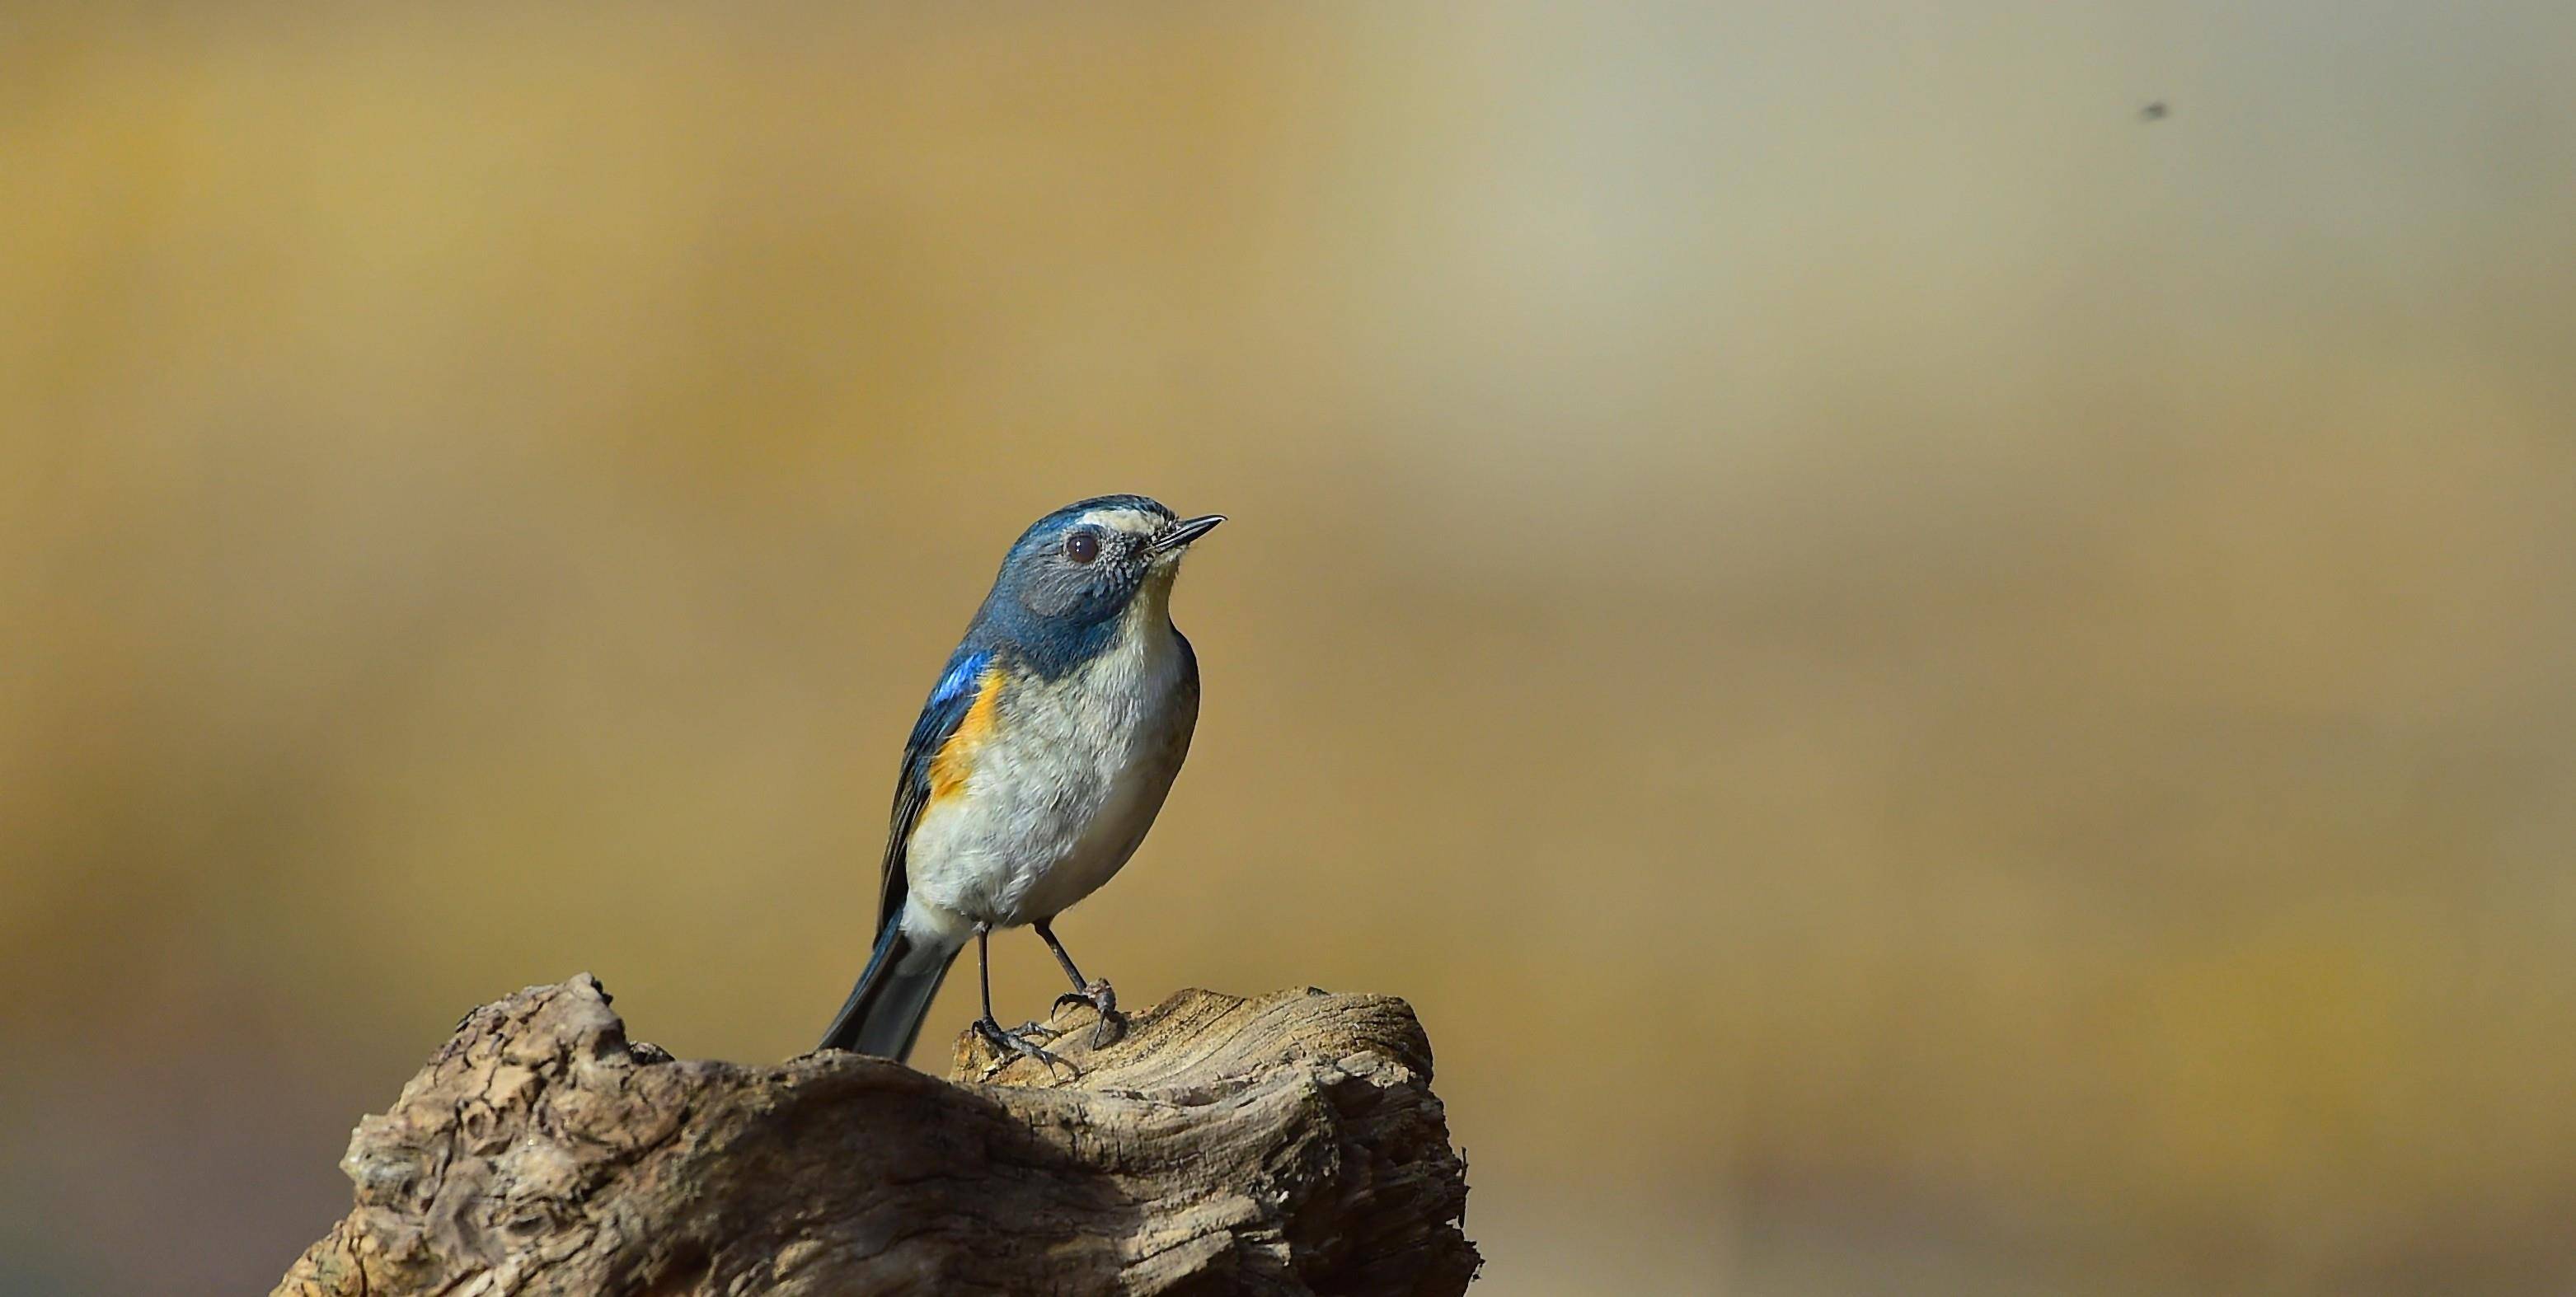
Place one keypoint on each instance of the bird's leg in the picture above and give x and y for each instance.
(1098, 995)
(1004, 1041)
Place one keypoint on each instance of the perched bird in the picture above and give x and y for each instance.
(1038, 764)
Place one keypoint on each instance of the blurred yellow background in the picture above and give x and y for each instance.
(1930, 686)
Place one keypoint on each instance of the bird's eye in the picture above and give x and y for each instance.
(1082, 546)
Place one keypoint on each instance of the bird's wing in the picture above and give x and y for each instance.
(930, 766)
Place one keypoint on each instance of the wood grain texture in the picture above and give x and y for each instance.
(1288, 1144)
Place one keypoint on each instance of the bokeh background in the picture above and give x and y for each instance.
(1931, 686)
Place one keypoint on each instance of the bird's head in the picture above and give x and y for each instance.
(1083, 565)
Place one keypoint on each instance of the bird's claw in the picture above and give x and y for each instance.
(1103, 1001)
(1009, 1042)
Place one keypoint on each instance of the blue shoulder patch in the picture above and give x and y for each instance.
(961, 678)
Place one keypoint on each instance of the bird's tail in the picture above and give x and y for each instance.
(884, 1012)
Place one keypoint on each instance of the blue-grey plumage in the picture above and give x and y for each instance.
(1041, 759)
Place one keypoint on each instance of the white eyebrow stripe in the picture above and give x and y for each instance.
(1135, 521)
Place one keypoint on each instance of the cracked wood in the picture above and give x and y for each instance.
(1288, 1144)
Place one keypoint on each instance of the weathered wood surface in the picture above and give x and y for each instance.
(1284, 1145)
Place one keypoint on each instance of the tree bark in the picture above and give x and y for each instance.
(1284, 1145)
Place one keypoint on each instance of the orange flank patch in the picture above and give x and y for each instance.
(956, 758)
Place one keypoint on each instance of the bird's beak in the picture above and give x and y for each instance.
(1177, 537)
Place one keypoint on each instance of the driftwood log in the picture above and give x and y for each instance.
(1288, 1144)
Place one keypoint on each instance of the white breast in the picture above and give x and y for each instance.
(1073, 776)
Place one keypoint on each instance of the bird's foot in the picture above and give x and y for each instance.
(1009, 1042)
(1103, 1001)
